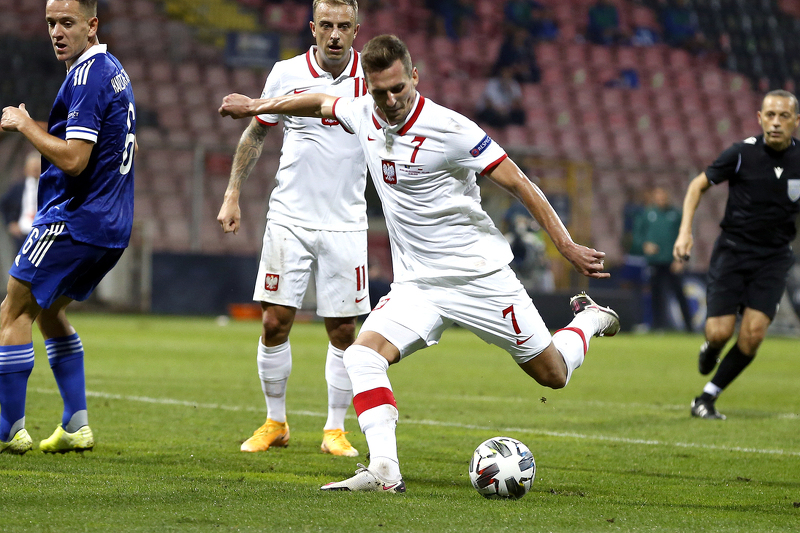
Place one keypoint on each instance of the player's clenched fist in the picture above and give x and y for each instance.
(13, 117)
(236, 106)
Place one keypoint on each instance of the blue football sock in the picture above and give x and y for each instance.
(16, 363)
(66, 361)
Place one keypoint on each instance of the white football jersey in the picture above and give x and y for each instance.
(322, 172)
(424, 171)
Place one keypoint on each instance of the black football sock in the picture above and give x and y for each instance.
(732, 365)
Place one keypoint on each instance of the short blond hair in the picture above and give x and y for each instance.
(349, 3)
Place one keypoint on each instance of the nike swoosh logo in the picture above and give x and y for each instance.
(390, 487)
(370, 138)
(520, 343)
(298, 91)
(359, 300)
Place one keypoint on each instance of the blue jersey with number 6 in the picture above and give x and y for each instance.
(94, 104)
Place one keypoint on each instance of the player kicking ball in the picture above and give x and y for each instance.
(450, 261)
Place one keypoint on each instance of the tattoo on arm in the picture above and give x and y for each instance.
(247, 153)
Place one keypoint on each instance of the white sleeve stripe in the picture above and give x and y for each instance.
(86, 135)
(81, 128)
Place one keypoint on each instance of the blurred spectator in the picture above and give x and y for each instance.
(501, 101)
(627, 78)
(659, 230)
(518, 52)
(681, 28)
(644, 36)
(451, 15)
(526, 238)
(537, 18)
(603, 26)
(18, 205)
(633, 274)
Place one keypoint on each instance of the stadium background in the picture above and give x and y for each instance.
(587, 141)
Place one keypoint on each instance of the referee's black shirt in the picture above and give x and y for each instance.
(764, 189)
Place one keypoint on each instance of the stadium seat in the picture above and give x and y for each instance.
(613, 99)
(679, 59)
(167, 95)
(548, 53)
(159, 71)
(188, 73)
(592, 121)
(574, 54)
(712, 81)
(600, 56)
(671, 124)
(684, 80)
(553, 75)
(618, 120)
(516, 136)
(691, 103)
(627, 57)
(653, 57)
(586, 99)
(664, 102)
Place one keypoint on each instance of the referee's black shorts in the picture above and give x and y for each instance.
(744, 275)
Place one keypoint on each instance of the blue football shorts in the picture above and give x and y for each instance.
(57, 265)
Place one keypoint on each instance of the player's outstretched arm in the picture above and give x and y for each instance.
(248, 151)
(587, 261)
(71, 155)
(682, 250)
(296, 105)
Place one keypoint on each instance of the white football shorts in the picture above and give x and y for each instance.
(338, 260)
(494, 306)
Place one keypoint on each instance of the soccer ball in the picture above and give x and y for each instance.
(502, 467)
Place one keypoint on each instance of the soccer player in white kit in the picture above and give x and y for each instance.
(450, 261)
(316, 222)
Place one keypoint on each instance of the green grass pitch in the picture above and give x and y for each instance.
(171, 399)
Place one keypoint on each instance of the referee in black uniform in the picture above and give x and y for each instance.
(752, 256)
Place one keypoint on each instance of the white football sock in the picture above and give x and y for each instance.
(587, 323)
(379, 425)
(572, 342)
(274, 367)
(340, 390)
(377, 415)
(712, 389)
(366, 368)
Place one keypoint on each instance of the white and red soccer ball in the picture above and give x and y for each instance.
(502, 467)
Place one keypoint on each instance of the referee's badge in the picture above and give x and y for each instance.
(794, 189)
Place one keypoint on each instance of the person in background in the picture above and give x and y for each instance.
(81, 229)
(658, 229)
(316, 223)
(752, 256)
(603, 26)
(18, 204)
(501, 102)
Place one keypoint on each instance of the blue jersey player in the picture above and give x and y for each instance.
(82, 226)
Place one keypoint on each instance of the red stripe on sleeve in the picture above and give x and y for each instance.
(579, 332)
(265, 123)
(493, 166)
(367, 400)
